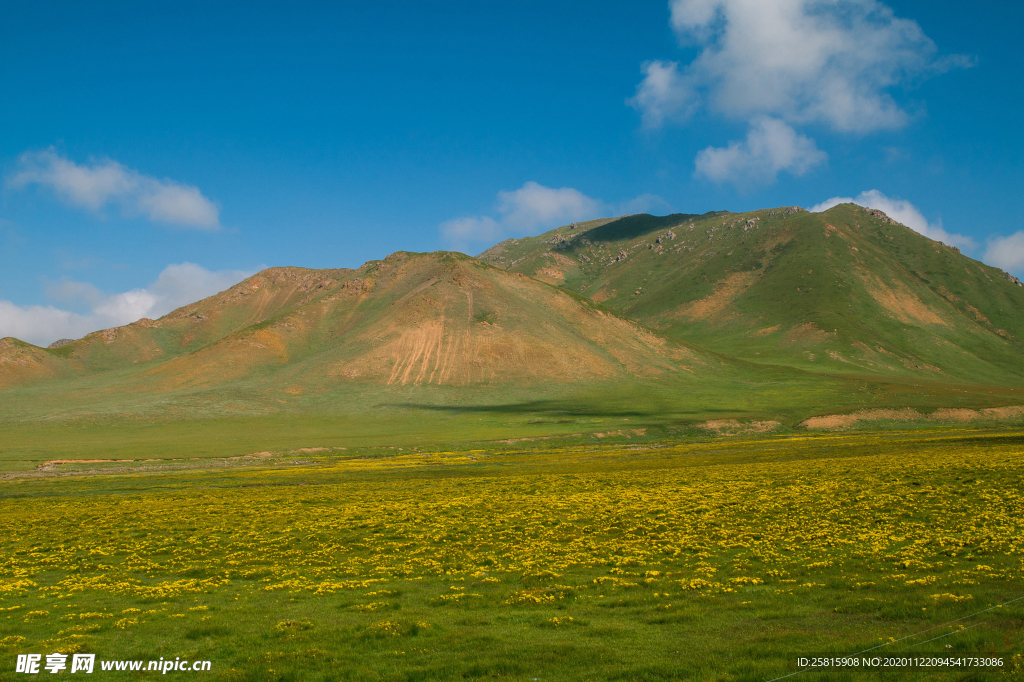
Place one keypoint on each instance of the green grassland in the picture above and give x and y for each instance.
(696, 558)
(91, 419)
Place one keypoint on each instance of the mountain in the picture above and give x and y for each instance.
(410, 319)
(776, 314)
(847, 291)
(22, 362)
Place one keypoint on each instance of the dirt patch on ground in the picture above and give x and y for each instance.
(766, 331)
(54, 463)
(1011, 412)
(732, 427)
(530, 439)
(628, 433)
(843, 421)
(831, 422)
(726, 291)
(901, 302)
(549, 275)
(808, 332)
(908, 414)
(266, 454)
(955, 415)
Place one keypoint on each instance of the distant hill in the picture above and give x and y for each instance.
(410, 319)
(846, 291)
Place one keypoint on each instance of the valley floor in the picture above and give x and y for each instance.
(725, 559)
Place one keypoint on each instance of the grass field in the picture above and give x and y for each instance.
(709, 559)
(93, 419)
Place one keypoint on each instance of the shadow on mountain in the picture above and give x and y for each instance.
(633, 226)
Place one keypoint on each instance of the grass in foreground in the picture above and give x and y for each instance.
(721, 560)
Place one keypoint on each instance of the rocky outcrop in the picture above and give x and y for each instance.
(561, 241)
(875, 213)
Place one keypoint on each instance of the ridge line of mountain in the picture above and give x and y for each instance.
(848, 291)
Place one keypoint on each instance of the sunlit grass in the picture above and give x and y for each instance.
(582, 563)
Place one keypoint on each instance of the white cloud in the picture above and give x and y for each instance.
(645, 203)
(461, 232)
(533, 206)
(169, 202)
(1007, 252)
(831, 202)
(531, 209)
(796, 62)
(176, 286)
(663, 94)
(803, 61)
(901, 211)
(771, 146)
(105, 182)
(70, 291)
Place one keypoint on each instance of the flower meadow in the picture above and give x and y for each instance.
(715, 560)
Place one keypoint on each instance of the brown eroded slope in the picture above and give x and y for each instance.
(194, 326)
(410, 319)
(21, 362)
(441, 319)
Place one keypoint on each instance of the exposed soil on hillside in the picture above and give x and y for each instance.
(904, 305)
(726, 291)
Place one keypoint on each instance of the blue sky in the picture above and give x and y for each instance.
(153, 153)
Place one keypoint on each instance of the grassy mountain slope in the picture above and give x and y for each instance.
(845, 291)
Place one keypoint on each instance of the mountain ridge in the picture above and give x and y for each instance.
(845, 292)
(410, 318)
(848, 286)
